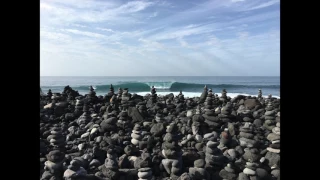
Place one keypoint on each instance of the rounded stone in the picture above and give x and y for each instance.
(248, 171)
(144, 169)
(199, 163)
(144, 175)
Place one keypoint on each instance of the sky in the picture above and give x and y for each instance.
(159, 38)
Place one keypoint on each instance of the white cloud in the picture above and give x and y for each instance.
(85, 33)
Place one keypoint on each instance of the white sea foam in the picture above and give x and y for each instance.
(198, 94)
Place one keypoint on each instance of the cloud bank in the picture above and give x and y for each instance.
(159, 38)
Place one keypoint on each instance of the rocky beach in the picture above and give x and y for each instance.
(131, 137)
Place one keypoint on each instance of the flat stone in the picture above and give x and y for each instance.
(248, 171)
(134, 141)
(200, 163)
(273, 158)
(273, 137)
(278, 124)
(144, 175)
(242, 176)
(93, 130)
(85, 135)
(232, 153)
(246, 135)
(68, 173)
(269, 113)
(136, 136)
(229, 169)
(276, 130)
(273, 150)
(208, 135)
(144, 169)
(275, 146)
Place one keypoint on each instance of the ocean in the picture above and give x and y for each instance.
(191, 86)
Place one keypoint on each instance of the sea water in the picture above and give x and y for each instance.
(190, 86)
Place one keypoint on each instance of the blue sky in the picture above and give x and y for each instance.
(159, 38)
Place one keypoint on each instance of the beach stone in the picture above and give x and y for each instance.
(273, 158)
(185, 176)
(157, 129)
(251, 103)
(232, 153)
(246, 135)
(276, 173)
(200, 163)
(262, 173)
(258, 122)
(248, 171)
(269, 113)
(144, 175)
(273, 137)
(273, 150)
(227, 175)
(242, 176)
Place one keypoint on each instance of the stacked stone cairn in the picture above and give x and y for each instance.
(145, 173)
(125, 97)
(225, 115)
(172, 153)
(54, 165)
(213, 156)
(198, 171)
(203, 94)
(74, 169)
(92, 95)
(246, 136)
(153, 98)
(85, 118)
(223, 98)
(211, 119)
(78, 107)
(228, 172)
(119, 95)
(260, 94)
(136, 135)
(110, 168)
(57, 139)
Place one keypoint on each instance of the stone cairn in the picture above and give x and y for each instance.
(125, 97)
(145, 173)
(213, 156)
(136, 135)
(172, 153)
(123, 121)
(110, 168)
(260, 94)
(204, 94)
(269, 117)
(85, 118)
(74, 169)
(78, 107)
(92, 95)
(225, 115)
(141, 106)
(228, 172)
(198, 171)
(57, 139)
(197, 122)
(119, 95)
(223, 97)
(210, 116)
(246, 136)
(250, 169)
(108, 96)
(153, 98)
(225, 139)
(54, 165)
